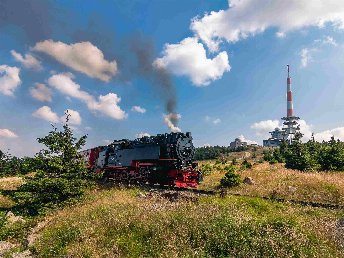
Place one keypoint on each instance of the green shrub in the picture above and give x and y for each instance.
(60, 172)
(246, 164)
(230, 179)
(234, 161)
(206, 169)
(273, 161)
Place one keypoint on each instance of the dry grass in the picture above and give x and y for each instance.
(5, 202)
(117, 223)
(10, 183)
(275, 180)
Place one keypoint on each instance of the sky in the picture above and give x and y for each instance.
(123, 69)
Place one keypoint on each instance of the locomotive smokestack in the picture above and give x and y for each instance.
(290, 110)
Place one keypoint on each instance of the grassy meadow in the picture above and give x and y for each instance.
(123, 223)
(136, 222)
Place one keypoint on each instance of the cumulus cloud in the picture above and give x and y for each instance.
(338, 133)
(47, 114)
(189, 58)
(9, 79)
(245, 18)
(83, 57)
(305, 129)
(243, 139)
(138, 109)
(41, 92)
(171, 120)
(74, 117)
(107, 105)
(6, 133)
(140, 135)
(29, 61)
(266, 126)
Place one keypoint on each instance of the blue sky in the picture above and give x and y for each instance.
(226, 63)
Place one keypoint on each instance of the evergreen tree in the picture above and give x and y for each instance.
(60, 172)
(331, 155)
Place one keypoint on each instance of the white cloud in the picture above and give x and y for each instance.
(216, 121)
(189, 58)
(305, 129)
(338, 133)
(140, 135)
(243, 139)
(326, 135)
(266, 126)
(138, 109)
(82, 57)
(307, 53)
(74, 117)
(6, 133)
(41, 92)
(246, 18)
(29, 61)
(329, 41)
(171, 120)
(47, 114)
(107, 105)
(307, 56)
(9, 79)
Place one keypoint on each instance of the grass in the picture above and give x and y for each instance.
(8, 183)
(275, 180)
(116, 223)
(120, 222)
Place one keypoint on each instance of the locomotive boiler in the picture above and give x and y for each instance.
(165, 159)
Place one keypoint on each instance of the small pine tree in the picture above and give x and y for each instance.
(60, 172)
(331, 155)
(230, 179)
(298, 156)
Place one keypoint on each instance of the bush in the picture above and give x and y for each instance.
(309, 156)
(206, 169)
(246, 164)
(230, 179)
(234, 161)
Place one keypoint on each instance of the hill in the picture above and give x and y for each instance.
(138, 222)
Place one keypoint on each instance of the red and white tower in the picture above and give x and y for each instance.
(290, 110)
(290, 124)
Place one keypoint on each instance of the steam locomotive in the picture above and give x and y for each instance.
(164, 159)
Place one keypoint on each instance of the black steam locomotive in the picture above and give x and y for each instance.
(165, 159)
